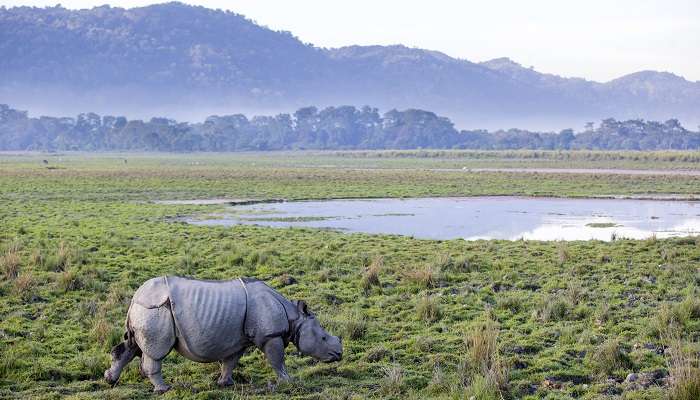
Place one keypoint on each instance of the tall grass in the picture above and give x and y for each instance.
(684, 369)
(483, 372)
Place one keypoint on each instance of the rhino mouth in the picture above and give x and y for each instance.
(333, 356)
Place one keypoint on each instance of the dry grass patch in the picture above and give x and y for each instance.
(24, 286)
(425, 277)
(9, 264)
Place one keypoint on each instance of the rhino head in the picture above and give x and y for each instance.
(312, 340)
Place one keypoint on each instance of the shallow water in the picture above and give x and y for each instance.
(474, 218)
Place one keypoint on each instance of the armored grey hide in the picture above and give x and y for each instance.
(214, 319)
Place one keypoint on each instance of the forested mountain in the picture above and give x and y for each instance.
(188, 62)
(343, 127)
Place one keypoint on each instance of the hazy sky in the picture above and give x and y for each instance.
(594, 39)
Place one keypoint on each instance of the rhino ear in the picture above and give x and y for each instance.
(302, 307)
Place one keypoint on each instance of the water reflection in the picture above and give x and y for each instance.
(480, 217)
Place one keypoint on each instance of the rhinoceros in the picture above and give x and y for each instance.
(207, 321)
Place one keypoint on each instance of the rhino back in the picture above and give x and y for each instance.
(209, 316)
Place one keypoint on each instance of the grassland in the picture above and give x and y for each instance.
(421, 319)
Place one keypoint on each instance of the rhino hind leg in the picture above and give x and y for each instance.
(154, 332)
(122, 354)
(227, 366)
(152, 369)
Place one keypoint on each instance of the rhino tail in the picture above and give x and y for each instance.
(129, 337)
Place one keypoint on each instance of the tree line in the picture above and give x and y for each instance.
(337, 128)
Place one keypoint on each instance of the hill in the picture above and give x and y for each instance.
(188, 62)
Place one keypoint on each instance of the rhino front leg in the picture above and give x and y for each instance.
(274, 352)
(227, 366)
(151, 368)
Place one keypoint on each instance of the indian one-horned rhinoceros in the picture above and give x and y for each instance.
(210, 321)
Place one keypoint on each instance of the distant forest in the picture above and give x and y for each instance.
(337, 128)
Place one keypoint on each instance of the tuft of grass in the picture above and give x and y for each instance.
(9, 263)
(510, 301)
(376, 353)
(392, 382)
(69, 280)
(371, 276)
(554, 308)
(684, 370)
(428, 309)
(37, 258)
(188, 263)
(425, 277)
(439, 382)
(351, 324)
(24, 285)
(63, 255)
(562, 253)
(609, 357)
(673, 317)
(483, 372)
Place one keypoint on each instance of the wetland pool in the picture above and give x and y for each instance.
(473, 218)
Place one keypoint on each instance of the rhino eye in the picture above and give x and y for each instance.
(323, 338)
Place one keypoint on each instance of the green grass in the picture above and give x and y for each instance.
(420, 318)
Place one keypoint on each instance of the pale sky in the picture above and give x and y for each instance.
(593, 39)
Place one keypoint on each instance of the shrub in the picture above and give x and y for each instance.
(428, 309)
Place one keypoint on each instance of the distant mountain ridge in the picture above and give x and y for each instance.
(187, 61)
